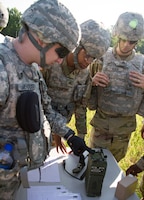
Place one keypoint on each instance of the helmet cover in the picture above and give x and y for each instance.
(95, 38)
(53, 23)
(129, 26)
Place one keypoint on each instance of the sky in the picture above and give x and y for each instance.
(106, 11)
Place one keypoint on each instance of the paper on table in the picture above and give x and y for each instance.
(58, 192)
(47, 173)
(50, 173)
(43, 192)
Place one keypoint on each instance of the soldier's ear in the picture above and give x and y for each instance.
(40, 42)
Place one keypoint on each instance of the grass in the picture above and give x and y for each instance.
(135, 149)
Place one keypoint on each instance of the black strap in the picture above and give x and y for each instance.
(42, 50)
(83, 174)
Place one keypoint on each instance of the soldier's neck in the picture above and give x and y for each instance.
(70, 61)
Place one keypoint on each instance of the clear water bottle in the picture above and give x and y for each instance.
(6, 159)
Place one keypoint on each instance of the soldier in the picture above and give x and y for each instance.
(68, 83)
(120, 86)
(4, 17)
(49, 31)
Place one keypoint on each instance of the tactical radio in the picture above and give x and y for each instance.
(95, 173)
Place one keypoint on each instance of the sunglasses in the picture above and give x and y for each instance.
(132, 42)
(129, 41)
(62, 52)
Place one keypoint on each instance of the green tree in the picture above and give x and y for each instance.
(14, 23)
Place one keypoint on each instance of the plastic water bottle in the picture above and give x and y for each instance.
(6, 159)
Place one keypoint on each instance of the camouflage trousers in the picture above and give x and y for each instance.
(112, 133)
(9, 184)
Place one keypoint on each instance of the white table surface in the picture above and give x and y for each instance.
(112, 176)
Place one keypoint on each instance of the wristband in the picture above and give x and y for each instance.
(69, 134)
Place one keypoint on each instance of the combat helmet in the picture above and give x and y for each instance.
(129, 26)
(4, 16)
(53, 23)
(95, 39)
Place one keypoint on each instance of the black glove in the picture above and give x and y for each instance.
(134, 170)
(78, 145)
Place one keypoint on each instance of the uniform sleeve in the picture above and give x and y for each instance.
(81, 108)
(4, 85)
(58, 123)
(80, 118)
(140, 163)
(141, 107)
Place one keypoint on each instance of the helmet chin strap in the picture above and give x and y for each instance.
(42, 50)
(76, 56)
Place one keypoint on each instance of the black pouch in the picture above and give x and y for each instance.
(28, 112)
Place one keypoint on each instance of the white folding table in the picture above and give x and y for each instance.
(112, 176)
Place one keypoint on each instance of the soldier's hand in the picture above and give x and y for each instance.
(78, 145)
(100, 79)
(137, 79)
(134, 170)
(59, 144)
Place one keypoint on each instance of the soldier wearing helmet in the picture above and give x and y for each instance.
(4, 17)
(95, 40)
(48, 33)
(53, 25)
(133, 33)
(69, 83)
(119, 86)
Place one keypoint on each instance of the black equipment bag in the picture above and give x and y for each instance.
(28, 112)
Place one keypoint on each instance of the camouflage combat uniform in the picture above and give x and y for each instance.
(16, 78)
(23, 93)
(117, 104)
(68, 91)
(69, 86)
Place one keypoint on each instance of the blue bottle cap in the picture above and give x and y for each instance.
(5, 166)
(8, 147)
